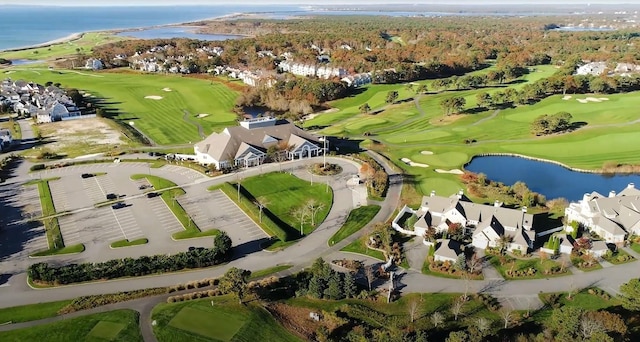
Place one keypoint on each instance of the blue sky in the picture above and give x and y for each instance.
(302, 2)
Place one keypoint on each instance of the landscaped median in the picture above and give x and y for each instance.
(127, 243)
(51, 224)
(169, 191)
(357, 219)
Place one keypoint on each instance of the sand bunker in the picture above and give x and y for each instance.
(166, 89)
(566, 97)
(412, 163)
(153, 97)
(454, 171)
(426, 153)
(203, 115)
(592, 99)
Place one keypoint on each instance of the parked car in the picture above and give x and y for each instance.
(87, 175)
(142, 187)
(118, 205)
(152, 194)
(112, 196)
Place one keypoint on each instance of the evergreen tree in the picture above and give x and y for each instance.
(349, 287)
(316, 287)
(334, 290)
(630, 295)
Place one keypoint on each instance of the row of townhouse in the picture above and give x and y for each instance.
(46, 104)
(305, 69)
(248, 77)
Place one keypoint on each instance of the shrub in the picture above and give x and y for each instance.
(37, 167)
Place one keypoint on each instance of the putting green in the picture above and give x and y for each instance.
(210, 324)
(106, 330)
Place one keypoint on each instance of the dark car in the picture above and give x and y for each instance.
(142, 187)
(118, 205)
(112, 196)
(152, 194)
(87, 175)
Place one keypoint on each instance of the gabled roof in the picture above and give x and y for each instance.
(268, 139)
(449, 249)
(599, 246)
(609, 226)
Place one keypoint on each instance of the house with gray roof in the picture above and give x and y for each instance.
(613, 217)
(487, 224)
(246, 145)
(448, 250)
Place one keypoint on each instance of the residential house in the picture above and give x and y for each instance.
(487, 224)
(246, 145)
(448, 250)
(566, 245)
(357, 80)
(94, 64)
(598, 248)
(613, 217)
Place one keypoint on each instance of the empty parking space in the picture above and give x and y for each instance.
(100, 225)
(160, 210)
(216, 210)
(59, 195)
(183, 172)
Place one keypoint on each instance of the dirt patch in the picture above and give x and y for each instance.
(295, 319)
(153, 97)
(80, 135)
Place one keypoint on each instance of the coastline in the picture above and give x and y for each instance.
(78, 35)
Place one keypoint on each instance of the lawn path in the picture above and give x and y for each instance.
(186, 117)
(487, 118)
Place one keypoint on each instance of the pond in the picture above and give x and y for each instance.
(169, 32)
(25, 61)
(549, 179)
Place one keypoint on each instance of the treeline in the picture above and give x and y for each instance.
(44, 273)
(479, 185)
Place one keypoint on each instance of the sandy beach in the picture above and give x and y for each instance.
(69, 38)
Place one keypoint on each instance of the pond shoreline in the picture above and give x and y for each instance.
(498, 154)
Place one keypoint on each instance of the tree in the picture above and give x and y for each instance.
(350, 288)
(565, 322)
(422, 88)
(456, 308)
(414, 307)
(437, 318)
(334, 290)
(483, 99)
(392, 96)
(506, 316)
(313, 207)
(368, 273)
(630, 295)
(235, 281)
(457, 336)
(301, 214)
(222, 243)
(364, 108)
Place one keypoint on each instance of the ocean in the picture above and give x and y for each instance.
(22, 26)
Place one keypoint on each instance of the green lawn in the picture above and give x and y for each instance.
(31, 312)
(524, 265)
(357, 219)
(169, 197)
(359, 247)
(119, 325)
(284, 193)
(123, 94)
(127, 243)
(216, 319)
(584, 300)
(269, 271)
(636, 247)
(620, 257)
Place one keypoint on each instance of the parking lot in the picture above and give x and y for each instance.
(216, 210)
(19, 237)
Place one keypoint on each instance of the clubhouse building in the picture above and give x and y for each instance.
(247, 145)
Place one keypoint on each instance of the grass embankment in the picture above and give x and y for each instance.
(269, 271)
(357, 219)
(583, 299)
(123, 97)
(51, 224)
(85, 45)
(31, 312)
(218, 319)
(119, 325)
(169, 191)
(127, 243)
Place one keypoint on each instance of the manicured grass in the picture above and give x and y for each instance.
(85, 44)
(169, 197)
(90, 327)
(123, 95)
(31, 312)
(524, 265)
(357, 219)
(127, 243)
(584, 300)
(636, 247)
(194, 320)
(73, 249)
(269, 271)
(219, 318)
(619, 257)
(283, 193)
(359, 247)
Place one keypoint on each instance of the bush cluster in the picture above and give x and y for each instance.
(522, 273)
(89, 302)
(42, 272)
(197, 284)
(599, 293)
(37, 167)
(194, 295)
(489, 301)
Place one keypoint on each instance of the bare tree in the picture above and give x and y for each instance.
(437, 318)
(262, 203)
(301, 214)
(466, 276)
(368, 272)
(414, 307)
(572, 290)
(483, 325)
(474, 263)
(589, 326)
(456, 308)
(506, 316)
(313, 208)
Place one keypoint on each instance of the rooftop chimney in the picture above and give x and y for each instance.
(612, 194)
(631, 186)
(433, 193)
(524, 209)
